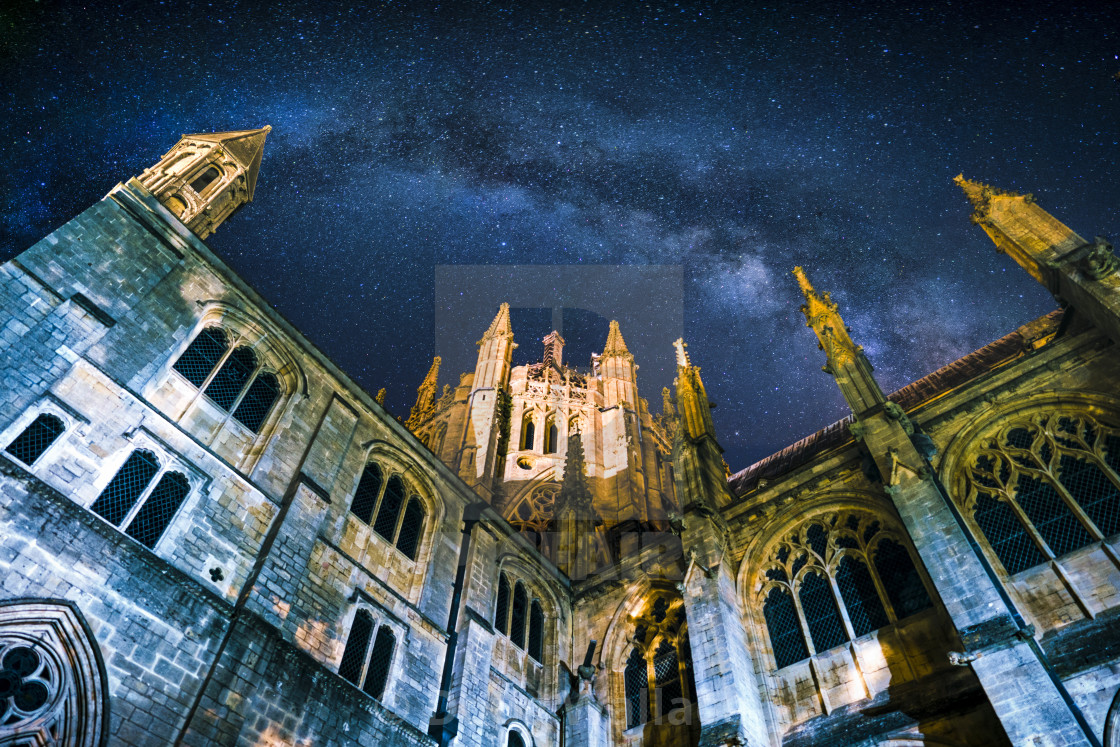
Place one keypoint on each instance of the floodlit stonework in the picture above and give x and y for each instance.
(210, 535)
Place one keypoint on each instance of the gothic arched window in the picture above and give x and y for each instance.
(551, 435)
(667, 676)
(876, 583)
(36, 438)
(375, 496)
(126, 487)
(201, 357)
(528, 433)
(515, 740)
(156, 513)
(238, 386)
(359, 657)
(501, 616)
(636, 680)
(517, 615)
(369, 489)
(1043, 486)
(126, 498)
(536, 631)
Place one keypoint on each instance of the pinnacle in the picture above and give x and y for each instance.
(500, 327)
(615, 346)
(682, 354)
(978, 193)
(574, 490)
(815, 303)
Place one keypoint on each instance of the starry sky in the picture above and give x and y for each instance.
(664, 164)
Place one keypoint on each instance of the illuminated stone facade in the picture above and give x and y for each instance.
(210, 535)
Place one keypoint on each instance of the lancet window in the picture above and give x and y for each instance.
(657, 678)
(362, 664)
(834, 578)
(382, 504)
(520, 615)
(36, 438)
(130, 501)
(1043, 486)
(231, 379)
(551, 436)
(528, 433)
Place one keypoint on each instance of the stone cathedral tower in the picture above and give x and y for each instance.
(210, 535)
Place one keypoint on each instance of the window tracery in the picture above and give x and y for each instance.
(364, 665)
(1043, 486)
(127, 497)
(382, 504)
(657, 679)
(835, 577)
(520, 615)
(532, 514)
(234, 380)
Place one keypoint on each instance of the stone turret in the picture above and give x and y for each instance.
(208, 176)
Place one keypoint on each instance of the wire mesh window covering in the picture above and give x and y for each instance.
(408, 539)
(202, 355)
(636, 680)
(501, 615)
(258, 400)
(840, 544)
(515, 740)
(857, 589)
(390, 509)
(158, 510)
(126, 487)
(900, 579)
(667, 678)
(528, 433)
(821, 615)
(536, 631)
(784, 629)
(1059, 469)
(205, 179)
(231, 378)
(380, 661)
(357, 644)
(517, 615)
(29, 445)
(365, 497)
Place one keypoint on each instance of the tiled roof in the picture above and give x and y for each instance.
(941, 381)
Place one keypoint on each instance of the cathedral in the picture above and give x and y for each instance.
(210, 535)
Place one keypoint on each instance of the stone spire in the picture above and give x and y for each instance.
(1081, 273)
(846, 361)
(207, 176)
(425, 397)
(692, 399)
(616, 346)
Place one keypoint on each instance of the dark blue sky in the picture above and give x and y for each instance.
(723, 142)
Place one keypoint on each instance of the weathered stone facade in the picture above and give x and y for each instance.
(210, 535)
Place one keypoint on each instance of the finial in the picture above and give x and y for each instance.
(380, 398)
(682, 354)
(500, 326)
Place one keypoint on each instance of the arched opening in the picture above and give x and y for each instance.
(528, 433)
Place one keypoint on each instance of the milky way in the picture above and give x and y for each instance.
(718, 144)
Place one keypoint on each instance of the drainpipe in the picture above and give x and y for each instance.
(443, 727)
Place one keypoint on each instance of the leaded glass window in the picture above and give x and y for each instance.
(876, 583)
(231, 378)
(159, 508)
(258, 400)
(785, 631)
(501, 616)
(202, 355)
(1043, 486)
(409, 536)
(365, 497)
(636, 680)
(667, 676)
(517, 616)
(380, 661)
(390, 510)
(357, 644)
(35, 438)
(536, 631)
(821, 615)
(126, 487)
(900, 579)
(857, 588)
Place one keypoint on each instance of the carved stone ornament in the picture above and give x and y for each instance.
(1100, 262)
(53, 689)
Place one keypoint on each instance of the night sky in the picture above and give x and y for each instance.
(677, 160)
